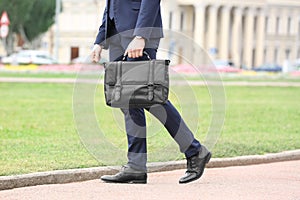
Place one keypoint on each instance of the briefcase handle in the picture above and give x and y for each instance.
(144, 52)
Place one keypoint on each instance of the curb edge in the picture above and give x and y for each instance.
(77, 175)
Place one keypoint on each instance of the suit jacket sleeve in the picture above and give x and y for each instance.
(101, 36)
(146, 19)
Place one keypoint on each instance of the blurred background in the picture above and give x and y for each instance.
(238, 35)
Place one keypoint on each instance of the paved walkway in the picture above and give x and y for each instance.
(279, 180)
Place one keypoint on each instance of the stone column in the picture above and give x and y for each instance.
(272, 18)
(271, 30)
(166, 18)
(282, 31)
(294, 22)
(236, 36)
(199, 30)
(166, 13)
(212, 30)
(188, 22)
(187, 43)
(248, 38)
(260, 38)
(224, 36)
(295, 18)
(176, 19)
(283, 22)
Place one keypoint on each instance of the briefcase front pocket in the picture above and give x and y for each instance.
(136, 84)
(110, 76)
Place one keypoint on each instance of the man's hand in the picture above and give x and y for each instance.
(96, 53)
(135, 48)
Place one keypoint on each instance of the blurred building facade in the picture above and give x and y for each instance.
(76, 31)
(249, 33)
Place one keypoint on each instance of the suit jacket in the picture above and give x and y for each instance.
(132, 17)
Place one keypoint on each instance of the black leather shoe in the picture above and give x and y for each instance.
(126, 175)
(196, 165)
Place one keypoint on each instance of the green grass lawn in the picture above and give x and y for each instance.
(38, 131)
(33, 74)
(259, 77)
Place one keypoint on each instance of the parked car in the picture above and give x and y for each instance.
(268, 68)
(29, 57)
(86, 60)
(217, 66)
(296, 64)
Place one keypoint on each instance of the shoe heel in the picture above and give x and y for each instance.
(208, 157)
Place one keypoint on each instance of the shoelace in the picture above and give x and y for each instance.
(123, 168)
(191, 164)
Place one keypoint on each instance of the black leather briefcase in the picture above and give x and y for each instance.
(136, 84)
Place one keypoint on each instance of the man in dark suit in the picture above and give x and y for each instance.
(130, 27)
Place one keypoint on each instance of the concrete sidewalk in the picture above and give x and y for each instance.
(280, 180)
(77, 175)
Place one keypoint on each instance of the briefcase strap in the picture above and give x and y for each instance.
(144, 52)
(118, 83)
(151, 80)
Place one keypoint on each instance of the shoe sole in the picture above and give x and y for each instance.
(208, 157)
(128, 182)
(137, 182)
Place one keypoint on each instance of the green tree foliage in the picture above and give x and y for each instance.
(29, 18)
(40, 18)
(18, 12)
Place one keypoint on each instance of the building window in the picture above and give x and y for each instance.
(277, 24)
(74, 52)
(275, 55)
(266, 24)
(255, 24)
(206, 19)
(181, 21)
(194, 21)
(289, 26)
(265, 55)
(287, 54)
(253, 57)
(170, 20)
(299, 30)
